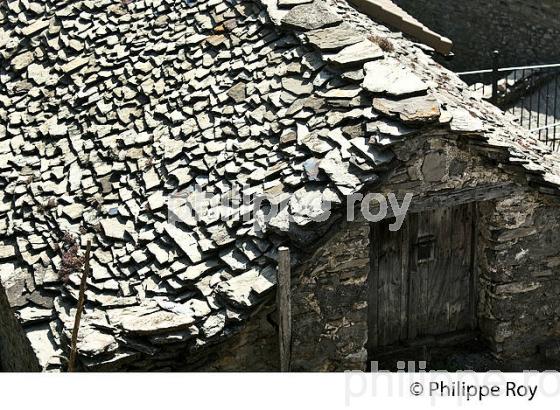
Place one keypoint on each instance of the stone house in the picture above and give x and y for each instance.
(120, 117)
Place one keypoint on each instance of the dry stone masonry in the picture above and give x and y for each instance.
(110, 108)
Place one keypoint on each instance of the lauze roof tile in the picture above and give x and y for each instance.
(119, 118)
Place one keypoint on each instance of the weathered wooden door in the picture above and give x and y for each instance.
(421, 283)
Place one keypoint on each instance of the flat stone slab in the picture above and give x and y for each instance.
(338, 171)
(357, 54)
(22, 60)
(297, 86)
(35, 27)
(422, 109)
(113, 228)
(334, 38)
(93, 343)
(186, 241)
(291, 3)
(312, 204)
(311, 17)
(40, 338)
(175, 337)
(394, 128)
(150, 320)
(464, 121)
(74, 211)
(349, 91)
(32, 314)
(376, 156)
(243, 290)
(74, 64)
(394, 79)
(315, 144)
(7, 251)
(39, 74)
(238, 92)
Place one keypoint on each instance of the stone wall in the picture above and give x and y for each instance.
(330, 303)
(526, 32)
(519, 261)
(16, 353)
(253, 349)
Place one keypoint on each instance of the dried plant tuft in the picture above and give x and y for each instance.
(71, 262)
(383, 43)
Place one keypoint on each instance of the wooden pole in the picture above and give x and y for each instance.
(79, 310)
(495, 76)
(284, 305)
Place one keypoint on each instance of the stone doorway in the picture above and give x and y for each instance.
(422, 287)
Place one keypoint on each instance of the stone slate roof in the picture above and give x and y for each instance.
(111, 108)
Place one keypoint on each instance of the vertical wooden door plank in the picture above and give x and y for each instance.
(405, 274)
(425, 222)
(393, 255)
(413, 278)
(373, 279)
(441, 275)
(383, 304)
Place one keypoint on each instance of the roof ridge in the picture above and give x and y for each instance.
(384, 11)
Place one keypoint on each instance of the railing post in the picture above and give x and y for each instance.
(495, 76)
(284, 306)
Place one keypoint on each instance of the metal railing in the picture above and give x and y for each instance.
(530, 93)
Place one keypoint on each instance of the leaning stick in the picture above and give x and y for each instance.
(80, 308)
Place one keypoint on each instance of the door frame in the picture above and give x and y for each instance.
(407, 249)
